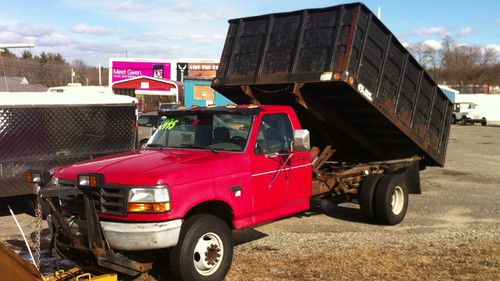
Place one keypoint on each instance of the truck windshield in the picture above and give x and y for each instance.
(213, 131)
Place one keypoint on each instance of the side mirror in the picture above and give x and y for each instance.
(301, 141)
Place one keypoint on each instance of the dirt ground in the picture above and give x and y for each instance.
(451, 231)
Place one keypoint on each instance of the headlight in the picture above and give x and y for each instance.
(149, 199)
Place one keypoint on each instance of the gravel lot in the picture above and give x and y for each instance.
(451, 231)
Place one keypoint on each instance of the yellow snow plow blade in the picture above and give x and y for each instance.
(13, 267)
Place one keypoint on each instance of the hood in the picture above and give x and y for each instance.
(158, 166)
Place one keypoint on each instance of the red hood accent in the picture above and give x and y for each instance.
(157, 166)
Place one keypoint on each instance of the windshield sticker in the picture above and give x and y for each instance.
(169, 124)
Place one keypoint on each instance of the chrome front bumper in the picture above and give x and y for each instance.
(128, 236)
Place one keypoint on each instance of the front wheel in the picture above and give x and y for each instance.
(204, 251)
(484, 122)
(391, 199)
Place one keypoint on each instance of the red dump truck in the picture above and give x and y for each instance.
(330, 106)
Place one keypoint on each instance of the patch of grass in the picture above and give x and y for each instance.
(419, 262)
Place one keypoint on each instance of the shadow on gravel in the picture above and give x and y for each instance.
(247, 235)
(19, 205)
(332, 210)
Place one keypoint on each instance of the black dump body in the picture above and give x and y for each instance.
(45, 137)
(350, 80)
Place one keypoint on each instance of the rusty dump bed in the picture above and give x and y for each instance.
(350, 80)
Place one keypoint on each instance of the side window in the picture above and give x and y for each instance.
(275, 134)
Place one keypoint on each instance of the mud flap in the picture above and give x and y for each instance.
(412, 178)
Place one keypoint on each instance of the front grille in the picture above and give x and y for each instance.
(110, 200)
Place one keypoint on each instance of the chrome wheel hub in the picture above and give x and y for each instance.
(398, 200)
(208, 253)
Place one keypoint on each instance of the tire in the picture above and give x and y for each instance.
(365, 199)
(391, 199)
(484, 122)
(186, 259)
(463, 121)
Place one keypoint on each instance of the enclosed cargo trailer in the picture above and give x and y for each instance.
(47, 130)
(351, 81)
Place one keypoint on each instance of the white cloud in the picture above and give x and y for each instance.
(434, 44)
(495, 47)
(423, 45)
(127, 6)
(32, 30)
(199, 38)
(466, 31)
(435, 30)
(183, 7)
(99, 47)
(54, 39)
(42, 36)
(203, 17)
(93, 29)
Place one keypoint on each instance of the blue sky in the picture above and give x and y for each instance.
(94, 30)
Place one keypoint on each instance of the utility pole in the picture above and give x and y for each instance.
(72, 75)
(126, 53)
(100, 76)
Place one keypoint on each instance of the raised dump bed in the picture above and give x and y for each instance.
(351, 81)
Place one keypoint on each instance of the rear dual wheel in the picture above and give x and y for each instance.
(384, 198)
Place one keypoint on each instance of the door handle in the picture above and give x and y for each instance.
(279, 170)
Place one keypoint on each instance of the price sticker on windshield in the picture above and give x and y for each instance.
(169, 124)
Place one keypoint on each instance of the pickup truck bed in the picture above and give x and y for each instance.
(352, 83)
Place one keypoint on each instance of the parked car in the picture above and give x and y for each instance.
(147, 124)
(468, 113)
(168, 106)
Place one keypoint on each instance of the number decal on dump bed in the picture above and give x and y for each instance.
(364, 91)
(169, 124)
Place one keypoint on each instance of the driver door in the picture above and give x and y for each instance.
(271, 170)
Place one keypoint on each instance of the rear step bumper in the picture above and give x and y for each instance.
(134, 236)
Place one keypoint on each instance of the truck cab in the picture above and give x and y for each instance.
(232, 167)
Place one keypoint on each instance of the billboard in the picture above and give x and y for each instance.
(169, 69)
(196, 70)
(122, 70)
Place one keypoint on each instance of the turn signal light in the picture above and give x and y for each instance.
(149, 207)
(29, 177)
